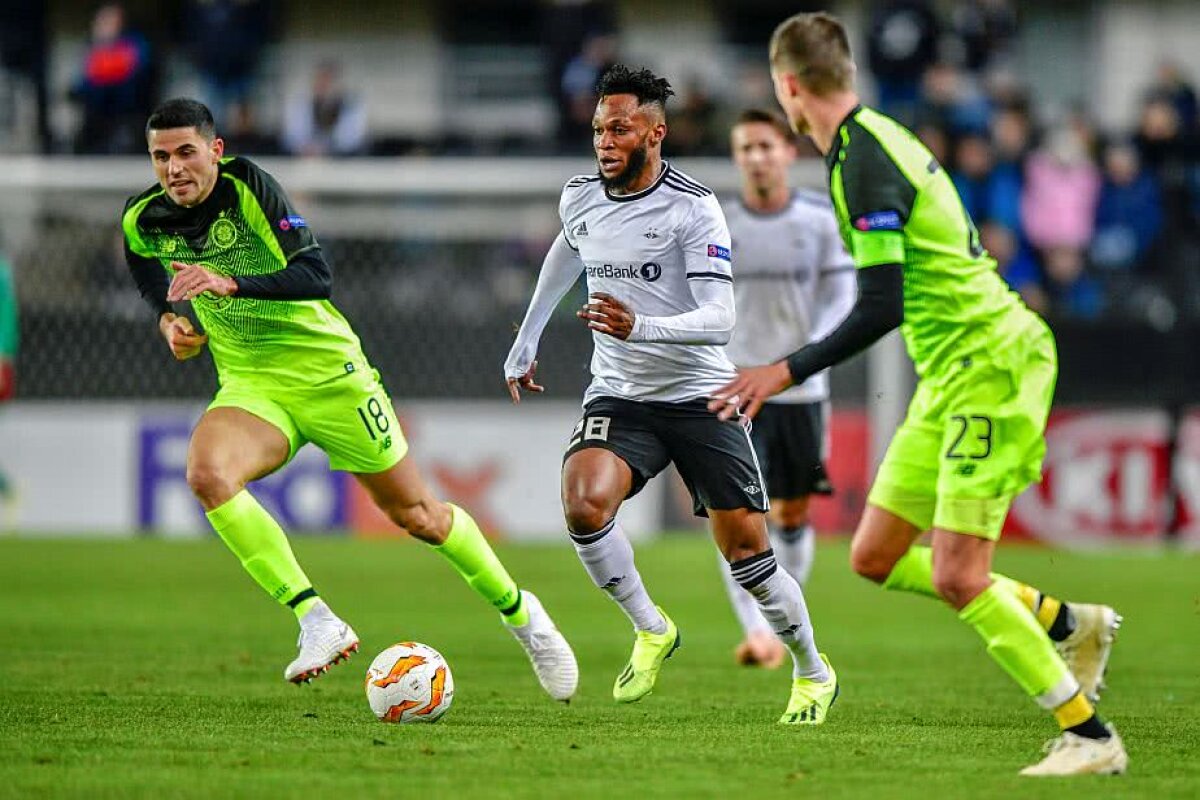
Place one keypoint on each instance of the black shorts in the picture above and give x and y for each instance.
(715, 458)
(790, 441)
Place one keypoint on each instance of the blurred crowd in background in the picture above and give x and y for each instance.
(1084, 223)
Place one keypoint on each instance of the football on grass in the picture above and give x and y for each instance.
(409, 682)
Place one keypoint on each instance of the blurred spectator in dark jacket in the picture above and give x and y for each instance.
(972, 174)
(1015, 264)
(1011, 140)
(694, 122)
(953, 100)
(23, 50)
(226, 39)
(1129, 215)
(985, 31)
(242, 134)
(326, 119)
(1171, 154)
(115, 86)
(1171, 85)
(578, 87)
(902, 43)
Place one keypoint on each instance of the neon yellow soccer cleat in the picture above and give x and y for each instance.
(811, 701)
(650, 650)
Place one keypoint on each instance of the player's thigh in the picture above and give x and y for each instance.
(230, 447)
(993, 444)
(715, 458)
(906, 483)
(881, 539)
(352, 419)
(611, 455)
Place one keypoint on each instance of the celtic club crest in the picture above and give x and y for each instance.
(222, 234)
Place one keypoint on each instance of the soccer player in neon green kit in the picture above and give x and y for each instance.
(973, 437)
(221, 233)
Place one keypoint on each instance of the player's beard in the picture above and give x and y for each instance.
(633, 168)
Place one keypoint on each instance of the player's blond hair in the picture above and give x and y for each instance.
(814, 48)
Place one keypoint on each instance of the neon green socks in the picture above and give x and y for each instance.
(1018, 644)
(257, 540)
(469, 552)
(913, 573)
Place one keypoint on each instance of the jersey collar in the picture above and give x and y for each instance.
(625, 198)
(831, 157)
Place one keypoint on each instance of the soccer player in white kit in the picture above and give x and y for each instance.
(656, 251)
(795, 283)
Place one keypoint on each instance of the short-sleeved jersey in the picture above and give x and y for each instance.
(783, 259)
(246, 226)
(896, 204)
(645, 249)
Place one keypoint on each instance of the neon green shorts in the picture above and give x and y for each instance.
(349, 417)
(972, 440)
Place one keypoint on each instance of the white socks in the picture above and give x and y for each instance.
(794, 548)
(782, 603)
(608, 558)
(745, 607)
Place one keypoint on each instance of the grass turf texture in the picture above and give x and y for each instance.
(150, 668)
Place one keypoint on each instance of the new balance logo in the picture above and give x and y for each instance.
(580, 230)
(966, 470)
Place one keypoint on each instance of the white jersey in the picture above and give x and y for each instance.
(644, 249)
(795, 283)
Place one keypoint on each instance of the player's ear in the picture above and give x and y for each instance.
(658, 132)
(218, 147)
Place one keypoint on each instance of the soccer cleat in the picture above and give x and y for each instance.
(650, 650)
(1071, 754)
(810, 701)
(552, 658)
(760, 649)
(323, 643)
(1087, 649)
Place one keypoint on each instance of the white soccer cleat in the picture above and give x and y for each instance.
(1087, 649)
(552, 658)
(1070, 754)
(324, 641)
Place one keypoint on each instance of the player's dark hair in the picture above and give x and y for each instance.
(760, 115)
(642, 84)
(182, 112)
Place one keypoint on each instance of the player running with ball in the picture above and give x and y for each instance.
(220, 232)
(656, 251)
(973, 437)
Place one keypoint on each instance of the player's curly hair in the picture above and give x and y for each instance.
(642, 84)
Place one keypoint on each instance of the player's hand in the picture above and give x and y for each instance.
(181, 337)
(749, 390)
(8, 379)
(192, 280)
(606, 314)
(515, 385)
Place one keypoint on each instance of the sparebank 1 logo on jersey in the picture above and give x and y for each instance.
(649, 271)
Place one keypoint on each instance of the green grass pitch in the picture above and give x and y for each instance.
(153, 669)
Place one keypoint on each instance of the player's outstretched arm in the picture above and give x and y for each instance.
(878, 311)
(560, 270)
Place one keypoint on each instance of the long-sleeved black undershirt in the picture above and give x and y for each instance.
(306, 277)
(878, 310)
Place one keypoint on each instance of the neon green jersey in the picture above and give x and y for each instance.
(896, 205)
(246, 226)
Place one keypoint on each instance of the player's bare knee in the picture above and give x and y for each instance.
(792, 517)
(957, 586)
(211, 484)
(870, 564)
(586, 512)
(422, 520)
